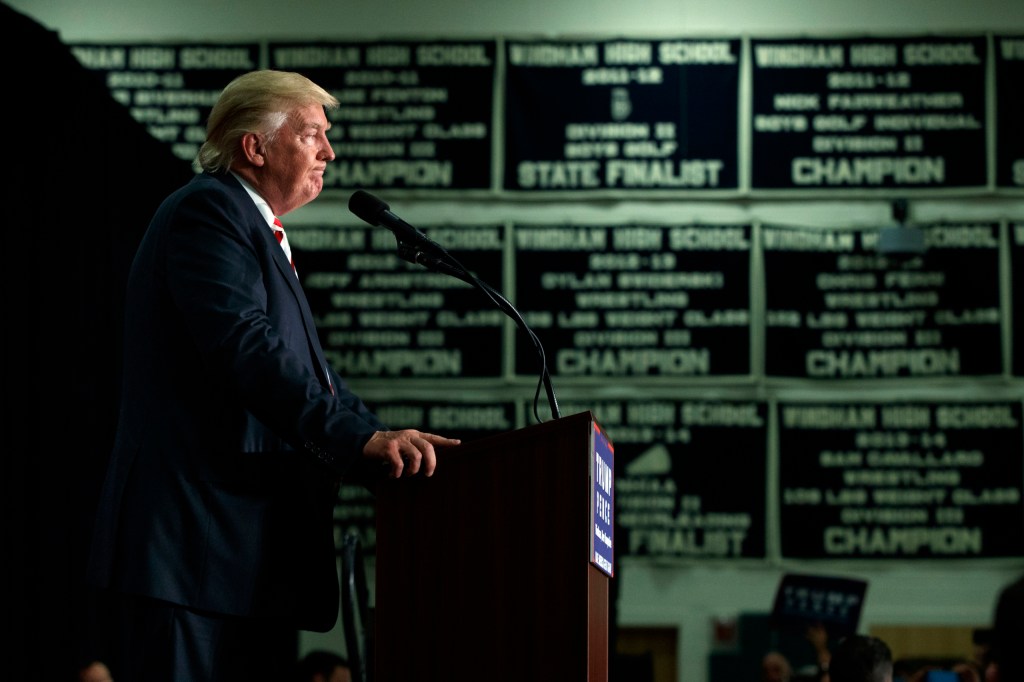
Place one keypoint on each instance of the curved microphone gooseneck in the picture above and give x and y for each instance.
(415, 247)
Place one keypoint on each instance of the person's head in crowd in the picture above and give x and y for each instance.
(94, 671)
(323, 666)
(775, 668)
(861, 658)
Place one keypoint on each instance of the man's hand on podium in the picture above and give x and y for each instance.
(407, 452)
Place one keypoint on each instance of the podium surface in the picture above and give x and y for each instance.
(484, 572)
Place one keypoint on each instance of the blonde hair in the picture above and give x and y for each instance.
(258, 101)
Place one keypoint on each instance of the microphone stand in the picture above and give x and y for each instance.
(446, 264)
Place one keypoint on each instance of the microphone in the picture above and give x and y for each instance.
(415, 247)
(376, 212)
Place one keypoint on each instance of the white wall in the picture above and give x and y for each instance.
(122, 19)
(687, 596)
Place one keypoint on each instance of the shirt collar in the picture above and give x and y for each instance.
(261, 204)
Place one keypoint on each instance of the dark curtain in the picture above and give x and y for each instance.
(82, 180)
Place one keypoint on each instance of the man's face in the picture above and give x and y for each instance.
(293, 172)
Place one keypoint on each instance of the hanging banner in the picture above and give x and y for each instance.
(869, 113)
(1016, 299)
(671, 457)
(1009, 59)
(169, 88)
(635, 300)
(381, 317)
(622, 115)
(838, 309)
(901, 480)
(413, 115)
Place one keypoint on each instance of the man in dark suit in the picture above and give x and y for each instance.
(215, 523)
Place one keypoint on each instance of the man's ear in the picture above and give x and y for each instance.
(252, 148)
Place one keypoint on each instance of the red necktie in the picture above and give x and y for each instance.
(283, 241)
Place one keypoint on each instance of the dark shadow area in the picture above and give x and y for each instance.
(632, 667)
(757, 636)
(82, 180)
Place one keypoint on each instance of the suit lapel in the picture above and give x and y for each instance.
(285, 270)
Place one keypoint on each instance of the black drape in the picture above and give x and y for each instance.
(82, 180)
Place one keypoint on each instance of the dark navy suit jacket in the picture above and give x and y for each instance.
(221, 485)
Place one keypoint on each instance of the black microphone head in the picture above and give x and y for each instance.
(367, 207)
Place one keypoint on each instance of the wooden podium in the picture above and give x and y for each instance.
(484, 572)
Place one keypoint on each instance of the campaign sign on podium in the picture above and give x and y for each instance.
(602, 501)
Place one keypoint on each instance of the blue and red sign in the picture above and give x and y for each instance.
(602, 501)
